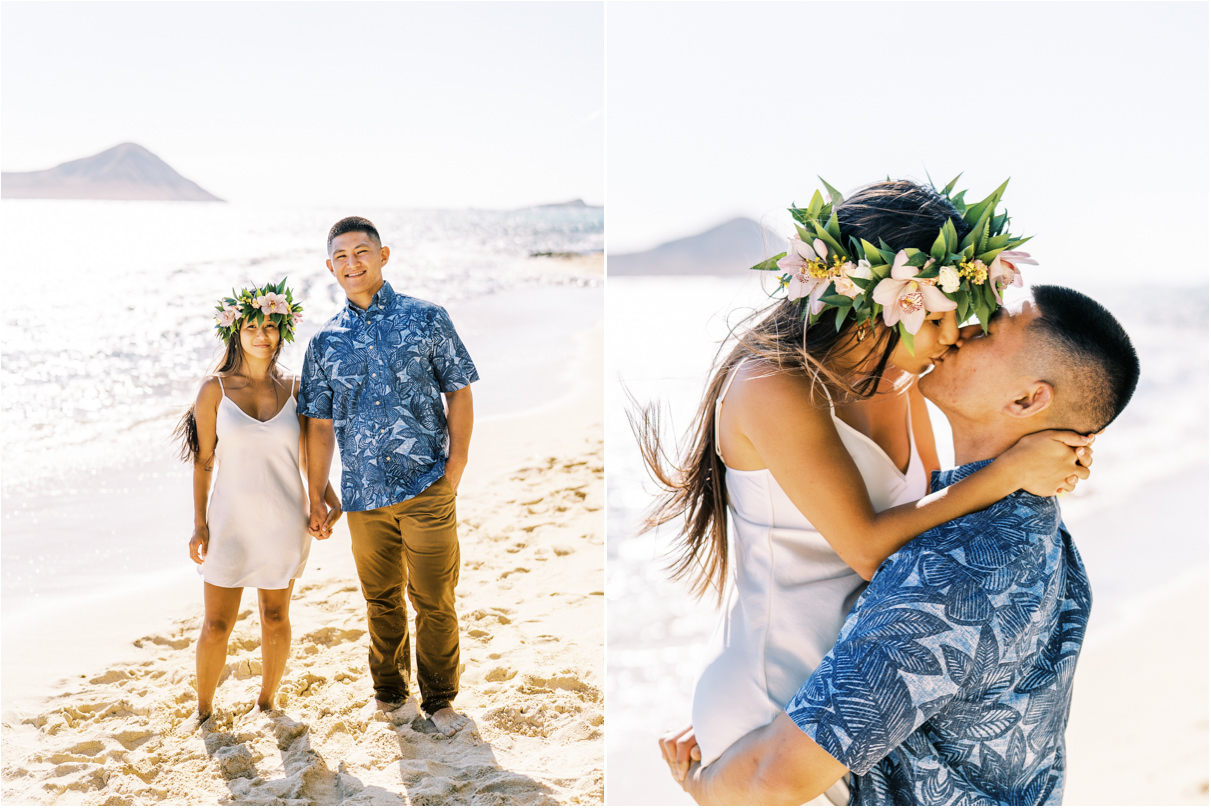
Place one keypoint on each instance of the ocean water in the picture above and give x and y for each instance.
(1154, 458)
(107, 330)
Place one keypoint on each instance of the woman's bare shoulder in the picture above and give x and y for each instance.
(762, 384)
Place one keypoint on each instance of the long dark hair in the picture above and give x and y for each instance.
(186, 432)
(901, 213)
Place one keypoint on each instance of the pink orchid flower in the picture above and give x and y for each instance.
(272, 303)
(1004, 270)
(228, 316)
(798, 257)
(905, 299)
(297, 317)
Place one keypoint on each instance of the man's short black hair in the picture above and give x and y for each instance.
(1090, 356)
(354, 224)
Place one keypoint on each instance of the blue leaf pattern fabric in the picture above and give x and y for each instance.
(379, 376)
(951, 680)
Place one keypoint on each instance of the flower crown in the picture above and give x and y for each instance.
(272, 301)
(966, 276)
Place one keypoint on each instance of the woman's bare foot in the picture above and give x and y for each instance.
(447, 721)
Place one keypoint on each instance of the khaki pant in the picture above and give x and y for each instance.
(413, 543)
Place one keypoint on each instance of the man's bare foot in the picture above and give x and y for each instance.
(447, 721)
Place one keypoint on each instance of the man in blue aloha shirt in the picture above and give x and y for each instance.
(374, 380)
(951, 679)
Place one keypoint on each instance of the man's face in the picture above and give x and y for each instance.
(979, 378)
(356, 261)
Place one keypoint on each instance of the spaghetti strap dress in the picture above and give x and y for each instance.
(258, 508)
(789, 591)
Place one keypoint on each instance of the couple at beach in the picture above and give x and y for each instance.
(891, 633)
(387, 380)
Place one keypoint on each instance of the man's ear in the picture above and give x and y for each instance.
(330, 269)
(385, 254)
(1033, 400)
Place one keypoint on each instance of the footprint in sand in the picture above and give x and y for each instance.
(514, 571)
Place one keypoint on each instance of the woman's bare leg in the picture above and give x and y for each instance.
(222, 608)
(275, 641)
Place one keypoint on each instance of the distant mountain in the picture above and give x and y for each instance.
(723, 250)
(127, 171)
(575, 203)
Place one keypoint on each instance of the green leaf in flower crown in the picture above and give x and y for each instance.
(842, 313)
(864, 283)
(813, 207)
(950, 185)
(832, 192)
(988, 204)
(932, 271)
(835, 299)
(769, 263)
(834, 228)
(990, 298)
(880, 272)
(260, 317)
(999, 221)
(952, 236)
(872, 253)
(974, 236)
(983, 314)
(990, 256)
(959, 203)
(1013, 244)
(833, 247)
(964, 303)
(938, 250)
(906, 338)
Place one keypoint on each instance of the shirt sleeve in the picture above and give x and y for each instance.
(315, 393)
(931, 622)
(452, 365)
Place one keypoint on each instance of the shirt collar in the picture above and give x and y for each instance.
(947, 477)
(382, 300)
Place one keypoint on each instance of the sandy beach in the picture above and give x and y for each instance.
(113, 726)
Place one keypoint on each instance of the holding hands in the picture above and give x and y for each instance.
(323, 518)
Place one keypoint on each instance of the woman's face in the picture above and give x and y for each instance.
(261, 340)
(934, 338)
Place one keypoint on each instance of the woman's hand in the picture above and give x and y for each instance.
(1046, 463)
(334, 513)
(678, 749)
(198, 543)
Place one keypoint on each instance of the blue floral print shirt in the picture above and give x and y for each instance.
(951, 679)
(379, 375)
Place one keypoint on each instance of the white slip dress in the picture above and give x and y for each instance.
(789, 591)
(258, 514)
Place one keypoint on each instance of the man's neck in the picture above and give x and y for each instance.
(974, 442)
(364, 300)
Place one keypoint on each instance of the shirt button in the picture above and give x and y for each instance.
(374, 375)
(376, 403)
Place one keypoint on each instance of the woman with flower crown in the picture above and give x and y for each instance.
(813, 435)
(251, 528)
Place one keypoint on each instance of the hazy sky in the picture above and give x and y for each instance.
(382, 103)
(1098, 112)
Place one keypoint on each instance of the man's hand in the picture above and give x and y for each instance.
(319, 525)
(773, 765)
(454, 472)
(678, 749)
